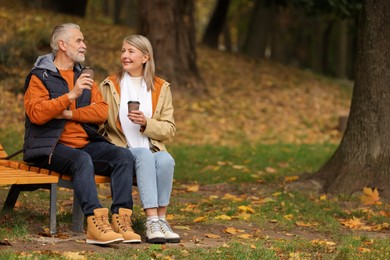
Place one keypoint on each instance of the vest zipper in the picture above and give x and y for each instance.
(54, 146)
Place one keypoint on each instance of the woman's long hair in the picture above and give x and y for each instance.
(143, 44)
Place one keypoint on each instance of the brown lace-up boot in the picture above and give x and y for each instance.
(121, 223)
(99, 230)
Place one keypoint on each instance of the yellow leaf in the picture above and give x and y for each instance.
(170, 217)
(212, 236)
(74, 255)
(364, 250)
(189, 208)
(247, 209)
(238, 167)
(289, 216)
(231, 230)
(245, 236)
(291, 178)
(352, 223)
(370, 197)
(244, 216)
(270, 170)
(231, 197)
(303, 224)
(276, 194)
(183, 227)
(253, 246)
(193, 188)
(199, 219)
(223, 217)
(323, 197)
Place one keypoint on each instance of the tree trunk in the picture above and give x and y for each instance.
(77, 8)
(170, 27)
(259, 33)
(342, 50)
(363, 157)
(215, 26)
(118, 5)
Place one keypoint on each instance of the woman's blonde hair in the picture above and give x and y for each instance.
(143, 44)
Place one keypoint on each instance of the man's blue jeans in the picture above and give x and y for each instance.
(102, 158)
(154, 176)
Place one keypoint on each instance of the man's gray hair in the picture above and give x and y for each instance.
(60, 32)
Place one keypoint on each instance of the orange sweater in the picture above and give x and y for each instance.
(41, 109)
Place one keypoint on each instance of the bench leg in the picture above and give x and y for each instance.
(14, 192)
(12, 197)
(78, 216)
(53, 209)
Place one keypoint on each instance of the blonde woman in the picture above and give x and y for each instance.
(144, 131)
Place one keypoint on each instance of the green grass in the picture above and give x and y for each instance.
(247, 163)
(12, 140)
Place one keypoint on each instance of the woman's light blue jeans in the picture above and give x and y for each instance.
(154, 176)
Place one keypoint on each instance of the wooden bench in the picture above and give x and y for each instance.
(25, 177)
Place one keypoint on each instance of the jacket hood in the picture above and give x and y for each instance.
(46, 62)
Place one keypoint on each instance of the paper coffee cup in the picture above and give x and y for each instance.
(133, 105)
(89, 71)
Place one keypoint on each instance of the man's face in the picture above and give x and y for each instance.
(75, 47)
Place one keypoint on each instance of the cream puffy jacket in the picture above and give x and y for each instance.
(160, 128)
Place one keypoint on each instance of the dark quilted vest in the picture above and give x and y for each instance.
(40, 140)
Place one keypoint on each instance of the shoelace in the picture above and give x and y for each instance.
(154, 226)
(126, 223)
(104, 224)
(165, 227)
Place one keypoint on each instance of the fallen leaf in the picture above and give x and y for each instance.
(193, 188)
(245, 236)
(303, 224)
(223, 217)
(212, 236)
(364, 250)
(276, 194)
(231, 197)
(74, 255)
(370, 196)
(244, 216)
(233, 231)
(199, 219)
(247, 209)
(323, 197)
(352, 223)
(183, 227)
(291, 178)
(270, 170)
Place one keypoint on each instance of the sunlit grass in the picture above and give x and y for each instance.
(215, 164)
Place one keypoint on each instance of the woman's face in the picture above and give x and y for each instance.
(133, 59)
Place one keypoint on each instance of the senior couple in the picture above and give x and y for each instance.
(75, 127)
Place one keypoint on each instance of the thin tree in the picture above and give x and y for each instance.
(363, 156)
(216, 24)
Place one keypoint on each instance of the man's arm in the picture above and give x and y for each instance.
(95, 113)
(39, 107)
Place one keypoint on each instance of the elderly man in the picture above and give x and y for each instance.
(63, 110)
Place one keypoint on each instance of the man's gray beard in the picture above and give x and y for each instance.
(76, 58)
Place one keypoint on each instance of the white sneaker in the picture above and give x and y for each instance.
(154, 233)
(170, 236)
